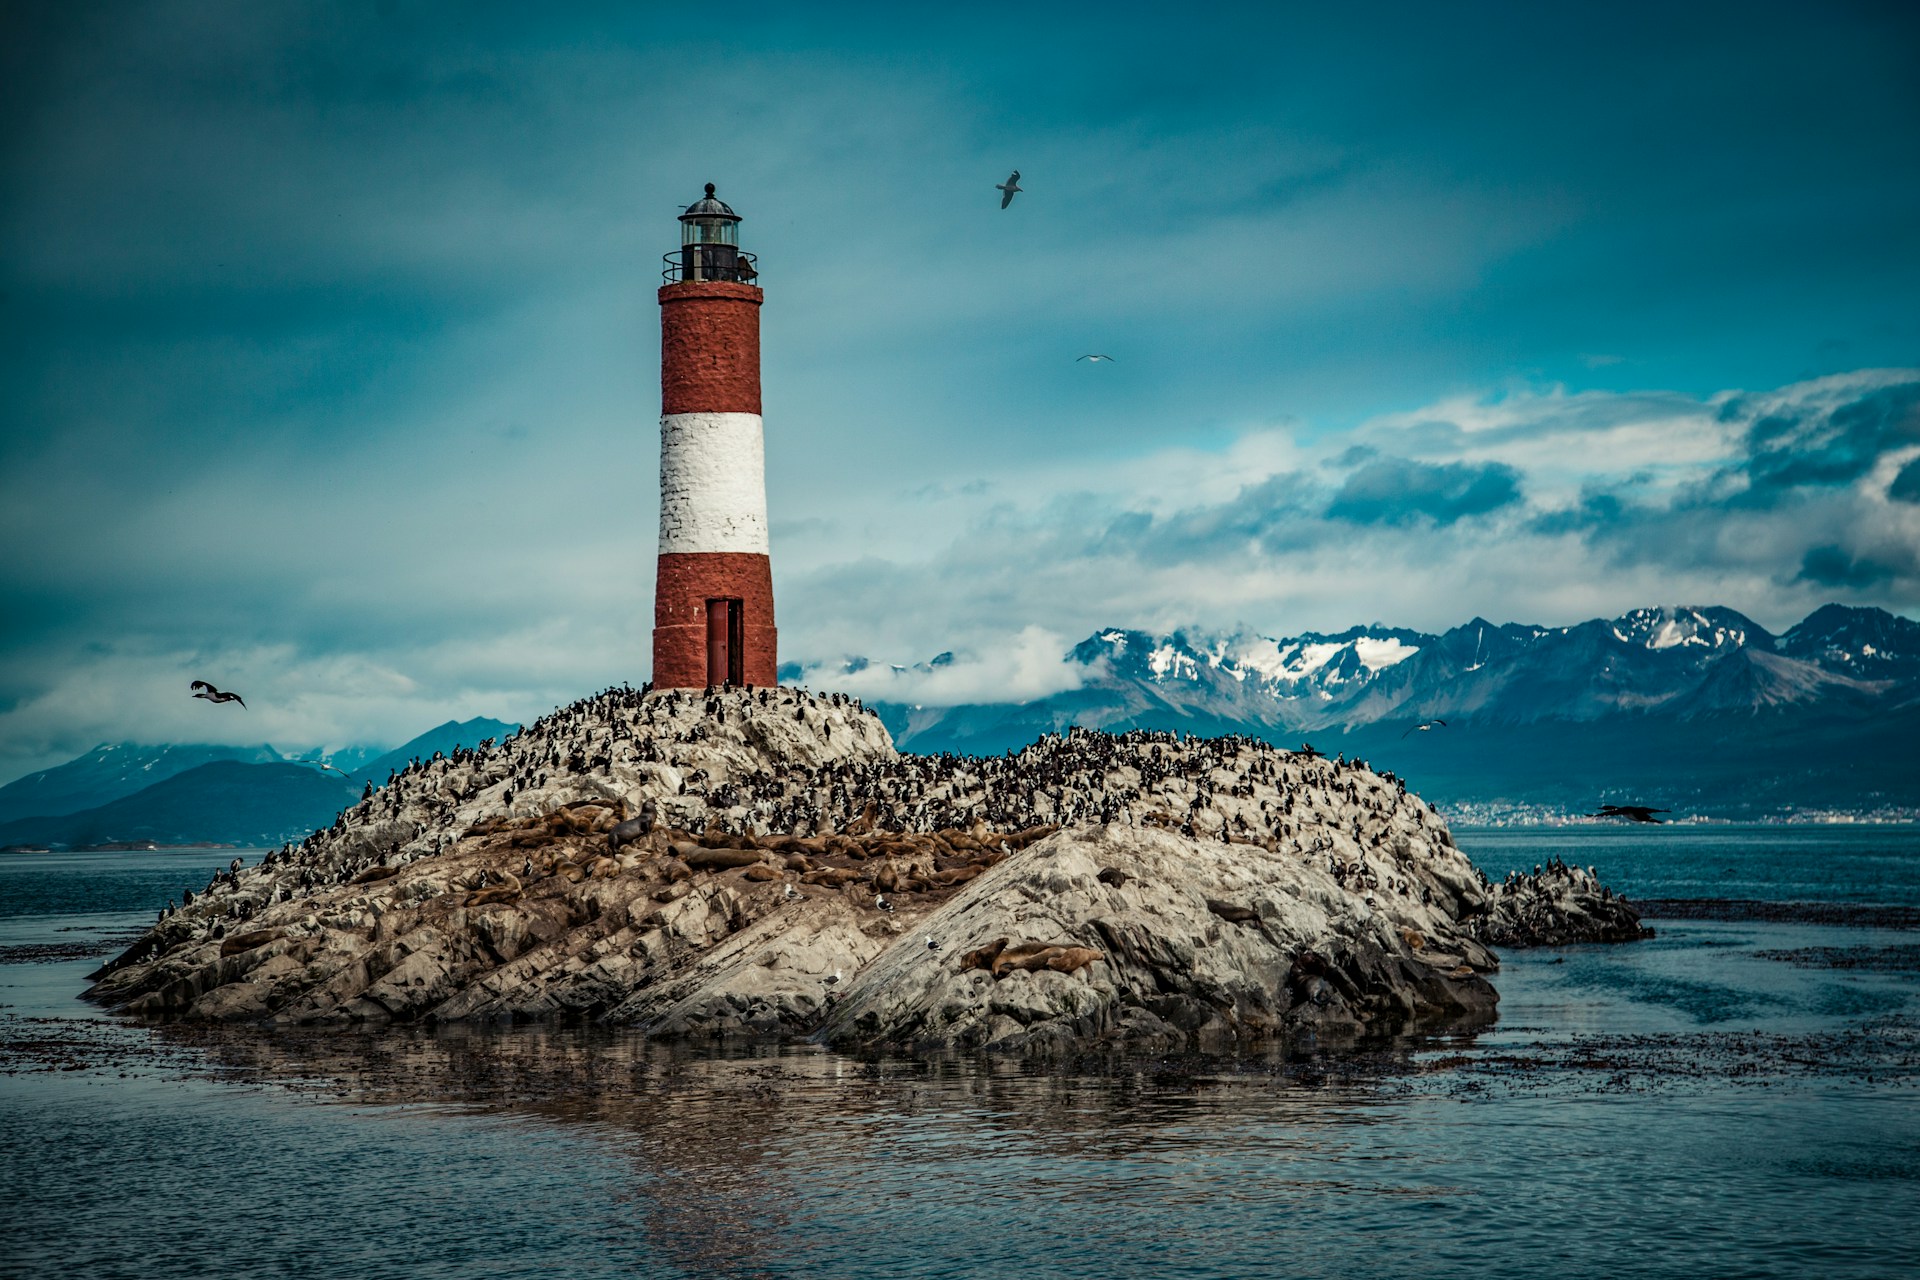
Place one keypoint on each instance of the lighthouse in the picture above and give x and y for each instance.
(713, 597)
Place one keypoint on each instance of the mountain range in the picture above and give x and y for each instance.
(1696, 705)
(126, 792)
(1698, 709)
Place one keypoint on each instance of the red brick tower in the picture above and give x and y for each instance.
(713, 600)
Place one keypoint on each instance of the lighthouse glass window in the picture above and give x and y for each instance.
(710, 233)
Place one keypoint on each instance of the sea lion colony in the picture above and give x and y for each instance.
(739, 805)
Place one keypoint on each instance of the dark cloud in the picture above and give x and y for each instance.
(1835, 566)
(1399, 491)
(1906, 485)
(1791, 448)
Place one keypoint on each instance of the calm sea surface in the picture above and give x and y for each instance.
(1731, 1098)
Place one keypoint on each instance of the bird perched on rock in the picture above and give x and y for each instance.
(212, 694)
(883, 902)
(932, 945)
(1011, 188)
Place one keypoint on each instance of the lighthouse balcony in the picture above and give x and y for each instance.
(709, 262)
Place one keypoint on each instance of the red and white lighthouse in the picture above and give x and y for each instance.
(713, 599)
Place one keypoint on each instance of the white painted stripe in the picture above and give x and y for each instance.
(713, 483)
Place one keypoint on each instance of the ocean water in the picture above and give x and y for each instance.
(1729, 1098)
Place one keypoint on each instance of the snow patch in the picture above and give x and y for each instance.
(1375, 654)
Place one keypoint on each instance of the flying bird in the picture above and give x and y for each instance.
(1631, 812)
(1095, 359)
(1011, 187)
(324, 765)
(1307, 749)
(1426, 726)
(212, 694)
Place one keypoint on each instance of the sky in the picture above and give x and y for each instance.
(330, 360)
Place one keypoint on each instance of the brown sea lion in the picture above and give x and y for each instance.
(374, 873)
(248, 941)
(720, 859)
(508, 892)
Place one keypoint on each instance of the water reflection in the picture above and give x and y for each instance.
(727, 1146)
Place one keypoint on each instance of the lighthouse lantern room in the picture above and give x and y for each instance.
(713, 596)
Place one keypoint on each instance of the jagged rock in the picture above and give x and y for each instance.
(793, 875)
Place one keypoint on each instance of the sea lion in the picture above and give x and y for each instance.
(1000, 959)
(721, 859)
(1229, 912)
(374, 873)
(1114, 876)
(633, 829)
(507, 892)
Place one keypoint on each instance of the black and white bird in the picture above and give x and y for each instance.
(1093, 358)
(791, 893)
(1010, 188)
(833, 979)
(212, 694)
(883, 902)
(932, 945)
(1426, 726)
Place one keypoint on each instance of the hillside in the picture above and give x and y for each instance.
(110, 771)
(227, 801)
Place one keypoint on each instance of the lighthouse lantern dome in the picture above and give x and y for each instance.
(710, 244)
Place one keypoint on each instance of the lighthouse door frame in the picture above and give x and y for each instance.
(726, 640)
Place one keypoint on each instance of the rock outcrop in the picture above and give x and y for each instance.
(783, 871)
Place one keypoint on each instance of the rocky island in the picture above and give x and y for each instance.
(762, 862)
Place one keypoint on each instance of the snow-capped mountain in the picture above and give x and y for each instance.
(1676, 683)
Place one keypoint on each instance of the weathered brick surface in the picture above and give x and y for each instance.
(709, 348)
(685, 583)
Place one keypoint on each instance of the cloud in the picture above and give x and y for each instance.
(1399, 491)
(1906, 485)
(1834, 566)
(1031, 664)
(1816, 438)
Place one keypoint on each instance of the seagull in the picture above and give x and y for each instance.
(882, 903)
(791, 893)
(1426, 726)
(212, 694)
(322, 763)
(1095, 359)
(1011, 187)
(1631, 812)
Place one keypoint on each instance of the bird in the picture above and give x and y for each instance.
(1631, 812)
(883, 902)
(1426, 726)
(833, 980)
(1307, 749)
(791, 893)
(932, 945)
(1011, 187)
(1095, 359)
(212, 694)
(323, 765)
